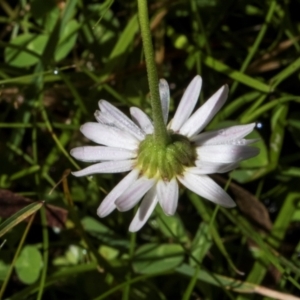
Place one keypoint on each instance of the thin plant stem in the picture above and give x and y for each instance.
(45, 253)
(160, 130)
(126, 292)
(257, 42)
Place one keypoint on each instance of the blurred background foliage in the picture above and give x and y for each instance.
(58, 58)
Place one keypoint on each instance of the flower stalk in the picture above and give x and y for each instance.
(160, 131)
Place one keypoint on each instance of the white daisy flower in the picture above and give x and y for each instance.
(156, 171)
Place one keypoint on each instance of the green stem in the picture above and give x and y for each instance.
(257, 42)
(160, 130)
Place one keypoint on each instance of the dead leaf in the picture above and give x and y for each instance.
(250, 206)
(10, 203)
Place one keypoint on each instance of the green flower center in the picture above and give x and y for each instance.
(165, 161)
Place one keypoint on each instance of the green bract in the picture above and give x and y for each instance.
(165, 161)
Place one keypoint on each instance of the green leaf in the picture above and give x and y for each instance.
(217, 280)
(108, 253)
(126, 38)
(29, 264)
(154, 258)
(103, 233)
(19, 216)
(25, 49)
(72, 256)
(244, 175)
(261, 160)
(201, 244)
(25, 172)
(105, 28)
(288, 210)
(242, 101)
(117, 55)
(294, 127)
(67, 40)
(236, 75)
(4, 267)
(46, 13)
(95, 227)
(41, 9)
(278, 122)
(171, 226)
(286, 72)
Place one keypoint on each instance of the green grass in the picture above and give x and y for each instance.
(58, 60)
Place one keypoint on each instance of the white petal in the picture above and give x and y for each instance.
(121, 120)
(117, 166)
(134, 193)
(167, 193)
(164, 93)
(206, 167)
(97, 153)
(109, 136)
(142, 120)
(104, 118)
(229, 167)
(244, 142)
(206, 188)
(223, 136)
(144, 211)
(187, 103)
(205, 113)
(108, 203)
(225, 153)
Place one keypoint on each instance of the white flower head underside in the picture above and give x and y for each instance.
(120, 138)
